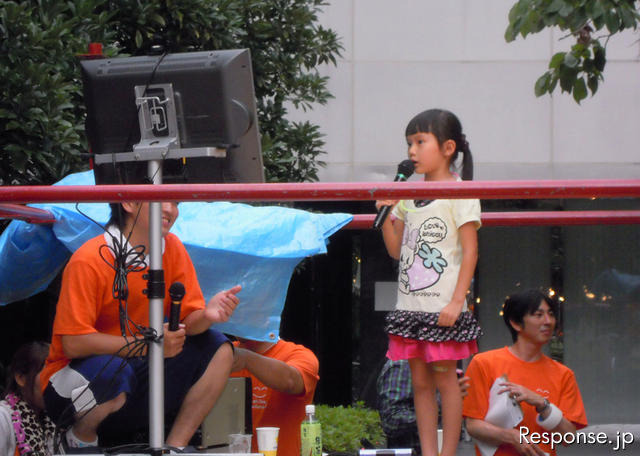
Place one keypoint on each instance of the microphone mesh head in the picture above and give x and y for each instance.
(176, 291)
(406, 168)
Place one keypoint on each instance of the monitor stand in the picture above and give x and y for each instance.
(160, 139)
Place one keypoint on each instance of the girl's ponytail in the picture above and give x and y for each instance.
(467, 160)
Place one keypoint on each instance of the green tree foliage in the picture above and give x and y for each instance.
(589, 22)
(41, 107)
(40, 123)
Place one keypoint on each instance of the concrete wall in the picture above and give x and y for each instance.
(404, 56)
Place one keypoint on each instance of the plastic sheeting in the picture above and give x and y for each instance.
(229, 244)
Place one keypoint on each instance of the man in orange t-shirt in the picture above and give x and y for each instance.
(96, 373)
(546, 390)
(283, 379)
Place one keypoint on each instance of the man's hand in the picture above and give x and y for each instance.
(463, 382)
(173, 340)
(524, 448)
(221, 306)
(494, 435)
(521, 394)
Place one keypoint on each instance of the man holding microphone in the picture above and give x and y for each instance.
(97, 371)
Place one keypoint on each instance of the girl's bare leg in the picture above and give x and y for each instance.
(446, 381)
(424, 399)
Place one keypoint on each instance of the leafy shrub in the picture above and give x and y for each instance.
(344, 427)
(40, 120)
(41, 108)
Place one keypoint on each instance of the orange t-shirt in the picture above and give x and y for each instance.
(545, 377)
(86, 304)
(286, 411)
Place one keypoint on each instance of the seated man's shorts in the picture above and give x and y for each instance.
(97, 379)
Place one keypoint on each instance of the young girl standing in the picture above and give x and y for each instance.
(437, 246)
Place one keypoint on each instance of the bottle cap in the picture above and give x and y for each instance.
(310, 408)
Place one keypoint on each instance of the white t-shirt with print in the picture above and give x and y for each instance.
(431, 253)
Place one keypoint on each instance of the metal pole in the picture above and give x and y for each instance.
(156, 316)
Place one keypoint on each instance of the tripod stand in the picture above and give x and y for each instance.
(159, 140)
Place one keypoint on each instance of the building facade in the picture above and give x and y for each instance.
(404, 56)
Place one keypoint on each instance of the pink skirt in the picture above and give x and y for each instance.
(429, 352)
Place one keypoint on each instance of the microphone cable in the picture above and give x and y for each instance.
(125, 260)
(134, 121)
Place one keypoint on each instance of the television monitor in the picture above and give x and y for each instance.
(212, 94)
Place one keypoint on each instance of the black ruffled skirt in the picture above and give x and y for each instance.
(423, 326)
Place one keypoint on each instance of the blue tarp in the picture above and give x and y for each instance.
(229, 244)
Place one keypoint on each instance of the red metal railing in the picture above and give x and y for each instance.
(11, 197)
(26, 213)
(541, 218)
(336, 191)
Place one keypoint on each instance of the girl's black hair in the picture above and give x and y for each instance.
(27, 361)
(444, 125)
(524, 303)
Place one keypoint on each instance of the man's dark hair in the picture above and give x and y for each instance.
(118, 214)
(524, 303)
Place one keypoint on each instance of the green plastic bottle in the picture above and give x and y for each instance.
(310, 433)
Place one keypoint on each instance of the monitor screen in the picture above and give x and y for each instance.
(212, 95)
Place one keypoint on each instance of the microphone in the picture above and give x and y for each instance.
(176, 291)
(405, 170)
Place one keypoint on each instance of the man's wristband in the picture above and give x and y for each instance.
(552, 420)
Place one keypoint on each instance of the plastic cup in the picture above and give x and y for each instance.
(239, 443)
(268, 440)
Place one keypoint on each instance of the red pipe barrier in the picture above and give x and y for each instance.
(364, 221)
(565, 218)
(540, 218)
(26, 213)
(350, 191)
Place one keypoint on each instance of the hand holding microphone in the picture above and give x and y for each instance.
(174, 333)
(405, 170)
(176, 291)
